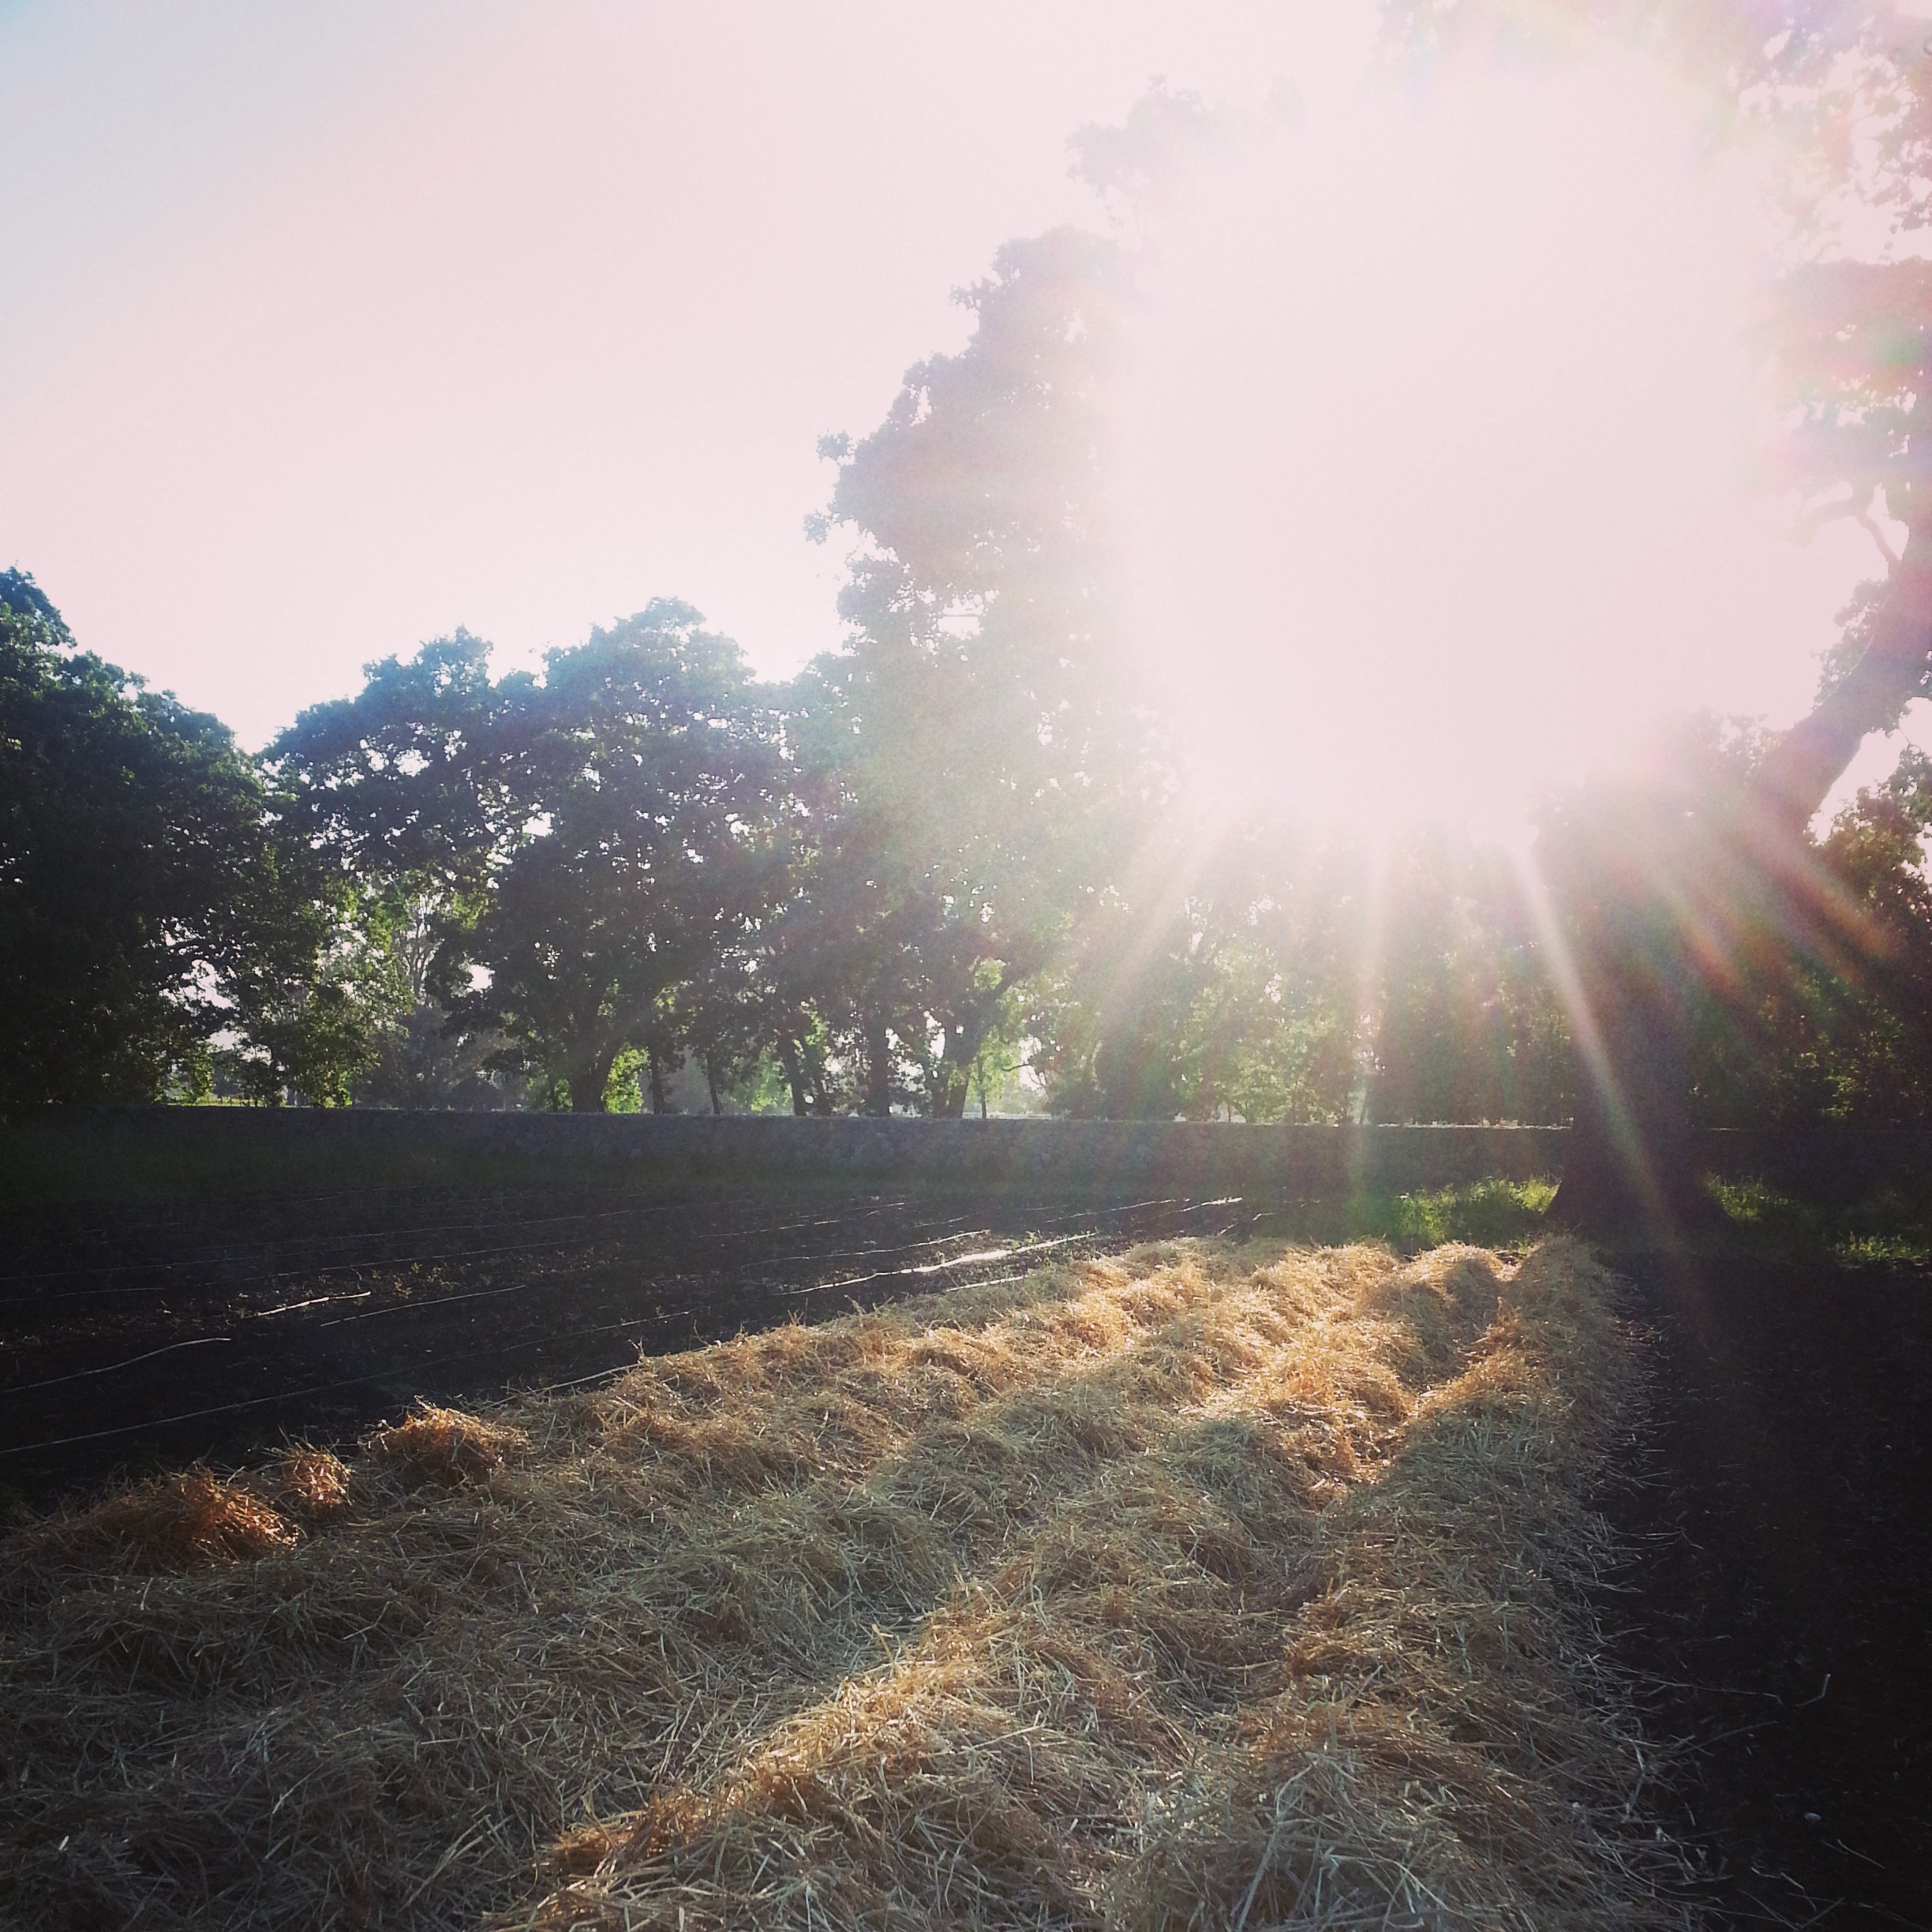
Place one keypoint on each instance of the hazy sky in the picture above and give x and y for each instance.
(328, 328)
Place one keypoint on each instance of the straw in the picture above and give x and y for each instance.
(1200, 1586)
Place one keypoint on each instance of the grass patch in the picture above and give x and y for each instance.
(1888, 1225)
(1503, 1214)
(1491, 1214)
(1200, 1586)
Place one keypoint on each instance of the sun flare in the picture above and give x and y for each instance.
(1438, 472)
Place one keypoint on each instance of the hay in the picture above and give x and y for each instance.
(171, 1523)
(1200, 1587)
(444, 1446)
(310, 1483)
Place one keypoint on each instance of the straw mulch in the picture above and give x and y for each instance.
(1196, 1588)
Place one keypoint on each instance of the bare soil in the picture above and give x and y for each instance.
(142, 1335)
(1783, 1603)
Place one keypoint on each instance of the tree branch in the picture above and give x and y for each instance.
(1804, 765)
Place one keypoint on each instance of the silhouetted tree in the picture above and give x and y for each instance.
(153, 903)
(405, 787)
(981, 721)
(648, 787)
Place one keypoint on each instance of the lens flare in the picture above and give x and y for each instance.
(1436, 485)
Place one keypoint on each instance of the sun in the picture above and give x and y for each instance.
(1437, 451)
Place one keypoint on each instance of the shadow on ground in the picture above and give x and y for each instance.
(1782, 1585)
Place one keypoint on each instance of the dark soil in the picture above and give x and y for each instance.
(1783, 1604)
(145, 1336)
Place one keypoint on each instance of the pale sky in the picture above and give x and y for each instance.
(327, 329)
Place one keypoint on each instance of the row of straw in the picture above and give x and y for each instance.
(1199, 1587)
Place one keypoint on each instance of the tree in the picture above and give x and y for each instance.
(153, 900)
(1669, 903)
(1467, 1025)
(1250, 969)
(980, 722)
(1839, 1028)
(1221, 975)
(406, 781)
(404, 788)
(646, 782)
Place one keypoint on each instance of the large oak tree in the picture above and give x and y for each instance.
(982, 730)
(648, 787)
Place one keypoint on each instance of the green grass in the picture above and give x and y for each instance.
(1888, 1224)
(1489, 1214)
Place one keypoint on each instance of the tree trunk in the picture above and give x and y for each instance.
(1804, 765)
(963, 1042)
(659, 1103)
(1630, 1173)
(589, 1083)
(878, 1065)
(1649, 954)
(711, 1086)
(794, 1074)
(949, 1096)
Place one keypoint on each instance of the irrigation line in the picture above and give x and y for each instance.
(853, 1281)
(940, 1267)
(295, 1307)
(539, 1280)
(448, 1361)
(237, 1252)
(20, 1388)
(420, 1307)
(992, 1281)
(415, 1260)
(320, 1388)
(417, 1368)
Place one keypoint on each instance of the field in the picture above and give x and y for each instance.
(967, 1559)
(146, 1331)
(1230, 1586)
(213, 1326)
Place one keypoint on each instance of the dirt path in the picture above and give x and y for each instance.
(1784, 1584)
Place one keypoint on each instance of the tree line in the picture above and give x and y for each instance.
(960, 844)
(645, 878)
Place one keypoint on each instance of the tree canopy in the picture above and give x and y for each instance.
(153, 901)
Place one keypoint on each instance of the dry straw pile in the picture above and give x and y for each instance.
(1196, 1588)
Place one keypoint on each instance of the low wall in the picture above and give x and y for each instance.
(1828, 1163)
(96, 1150)
(262, 1146)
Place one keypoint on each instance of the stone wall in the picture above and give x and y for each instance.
(262, 1145)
